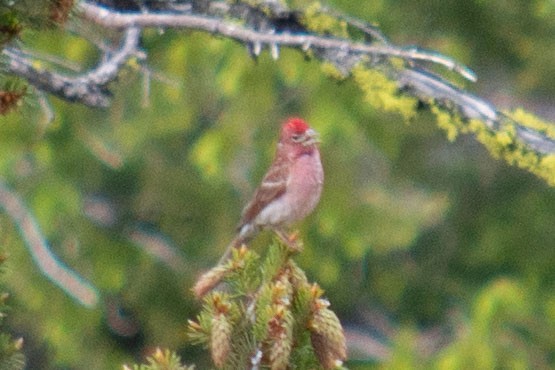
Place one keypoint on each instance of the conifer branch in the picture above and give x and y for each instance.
(11, 356)
(269, 316)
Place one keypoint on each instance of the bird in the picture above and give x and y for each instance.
(290, 189)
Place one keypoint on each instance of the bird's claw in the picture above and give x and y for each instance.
(293, 236)
(291, 241)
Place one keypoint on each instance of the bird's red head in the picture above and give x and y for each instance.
(295, 125)
(296, 131)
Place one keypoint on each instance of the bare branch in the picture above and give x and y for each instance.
(274, 28)
(89, 88)
(113, 19)
(74, 285)
(426, 86)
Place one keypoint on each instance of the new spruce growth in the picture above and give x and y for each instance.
(11, 356)
(263, 313)
(161, 360)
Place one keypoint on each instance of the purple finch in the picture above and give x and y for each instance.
(289, 191)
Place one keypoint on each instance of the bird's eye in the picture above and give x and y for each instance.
(297, 137)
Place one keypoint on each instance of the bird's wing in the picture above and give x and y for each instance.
(272, 187)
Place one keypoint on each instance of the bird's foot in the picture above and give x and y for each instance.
(292, 240)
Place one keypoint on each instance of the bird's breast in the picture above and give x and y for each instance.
(305, 184)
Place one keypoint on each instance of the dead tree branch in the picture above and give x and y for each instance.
(343, 53)
(274, 27)
(89, 88)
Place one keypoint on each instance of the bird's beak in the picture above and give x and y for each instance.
(311, 137)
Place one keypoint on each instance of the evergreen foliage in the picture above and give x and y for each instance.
(270, 316)
(161, 360)
(17, 17)
(11, 357)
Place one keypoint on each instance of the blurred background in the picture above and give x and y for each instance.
(432, 253)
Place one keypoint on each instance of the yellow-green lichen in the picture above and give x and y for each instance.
(504, 144)
(523, 159)
(261, 5)
(451, 124)
(486, 137)
(548, 162)
(541, 165)
(505, 137)
(530, 120)
(332, 71)
(546, 169)
(382, 93)
(317, 20)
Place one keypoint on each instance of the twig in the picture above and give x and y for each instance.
(74, 285)
(52, 59)
(89, 88)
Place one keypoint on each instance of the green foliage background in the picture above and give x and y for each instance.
(433, 235)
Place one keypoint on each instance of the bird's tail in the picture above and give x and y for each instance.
(235, 243)
(245, 233)
(212, 278)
